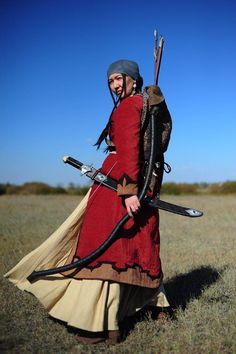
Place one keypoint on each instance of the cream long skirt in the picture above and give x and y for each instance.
(92, 305)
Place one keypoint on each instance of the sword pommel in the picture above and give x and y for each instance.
(65, 158)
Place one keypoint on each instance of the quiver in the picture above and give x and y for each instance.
(153, 96)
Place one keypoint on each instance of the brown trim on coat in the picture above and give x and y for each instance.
(133, 275)
(126, 186)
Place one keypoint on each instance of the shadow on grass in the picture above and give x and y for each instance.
(185, 287)
(180, 290)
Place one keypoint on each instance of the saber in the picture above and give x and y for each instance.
(98, 176)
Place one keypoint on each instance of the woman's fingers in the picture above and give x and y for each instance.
(132, 205)
(129, 212)
(134, 208)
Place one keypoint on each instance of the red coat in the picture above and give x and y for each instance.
(134, 257)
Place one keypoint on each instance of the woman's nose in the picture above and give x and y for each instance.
(116, 84)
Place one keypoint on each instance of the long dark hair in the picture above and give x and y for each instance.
(104, 133)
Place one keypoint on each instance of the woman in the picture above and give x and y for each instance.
(128, 275)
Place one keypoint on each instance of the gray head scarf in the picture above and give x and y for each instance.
(124, 66)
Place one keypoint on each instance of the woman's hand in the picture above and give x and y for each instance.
(132, 205)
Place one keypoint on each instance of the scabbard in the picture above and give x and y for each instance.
(98, 176)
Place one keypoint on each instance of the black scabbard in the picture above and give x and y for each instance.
(98, 176)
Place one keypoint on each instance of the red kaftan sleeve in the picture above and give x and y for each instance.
(127, 124)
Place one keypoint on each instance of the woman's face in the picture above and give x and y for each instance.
(116, 85)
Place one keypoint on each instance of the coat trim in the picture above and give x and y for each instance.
(133, 275)
(126, 186)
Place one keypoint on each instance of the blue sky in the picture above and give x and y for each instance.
(54, 99)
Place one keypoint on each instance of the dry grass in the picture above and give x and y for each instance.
(198, 257)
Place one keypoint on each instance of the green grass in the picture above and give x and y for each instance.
(198, 258)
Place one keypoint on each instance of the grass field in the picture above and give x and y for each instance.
(198, 258)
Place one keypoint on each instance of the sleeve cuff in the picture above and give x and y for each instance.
(126, 186)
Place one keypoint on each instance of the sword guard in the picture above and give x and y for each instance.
(85, 169)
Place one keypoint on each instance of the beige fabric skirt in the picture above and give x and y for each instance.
(92, 305)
